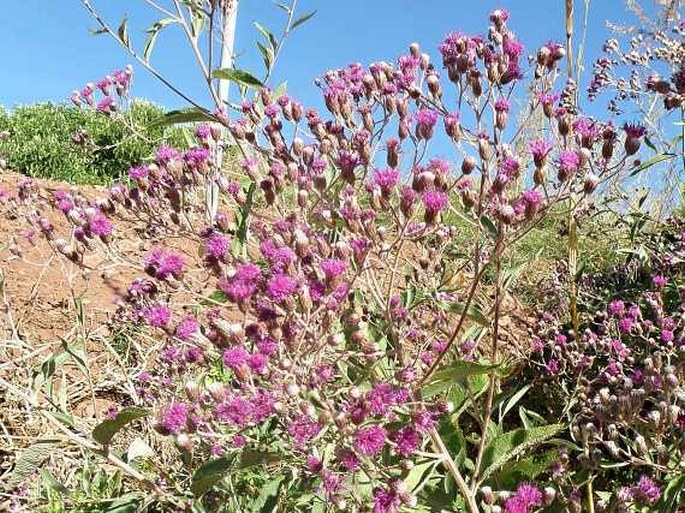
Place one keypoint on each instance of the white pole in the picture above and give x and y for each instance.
(228, 26)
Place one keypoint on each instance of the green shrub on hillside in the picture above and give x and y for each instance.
(44, 141)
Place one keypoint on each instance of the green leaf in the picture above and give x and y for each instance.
(302, 19)
(419, 476)
(267, 55)
(153, 32)
(512, 444)
(174, 117)
(456, 373)
(650, 144)
(213, 471)
(473, 313)
(49, 480)
(268, 496)
(238, 76)
(126, 504)
(29, 461)
(280, 90)
(649, 163)
(104, 431)
(514, 399)
(273, 42)
(209, 474)
(254, 458)
(122, 32)
(198, 22)
(489, 225)
(672, 495)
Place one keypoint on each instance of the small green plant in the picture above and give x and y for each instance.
(78, 145)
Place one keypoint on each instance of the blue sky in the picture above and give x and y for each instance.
(48, 50)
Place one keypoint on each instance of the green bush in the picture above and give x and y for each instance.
(41, 141)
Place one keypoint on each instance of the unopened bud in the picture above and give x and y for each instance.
(184, 443)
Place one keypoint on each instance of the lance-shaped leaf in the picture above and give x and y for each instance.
(122, 32)
(273, 42)
(214, 471)
(649, 163)
(512, 444)
(153, 32)
(175, 117)
(457, 373)
(29, 461)
(302, 19)
(104, 431)
(473, 313)
(238, 76)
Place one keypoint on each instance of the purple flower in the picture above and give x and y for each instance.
(217, 246)
(425, 122)
(157, 316)
(380, 398)
(569, 162)
(106, 105)
(634, 130)
(303, 429)
(247, 272)
(407, 440)
(552, 366)
(386, 179)
(370, 441)
(166, 154)
(660, 281)
(100, 225)
(203, 131)
(195, 157)
(333, 268)
(164, 264)
(435, 201)
(531, 198)
(616, 308)
(527, 497)
(138, 173)
(502, 105)
(349, 460)
(625, 324)
(235, 357)
(540, 148)
(174, 418)
(187, 328)
(385, 501)
(280, 286)
(646, 491)
(257, 363)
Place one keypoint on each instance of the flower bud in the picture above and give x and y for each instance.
(184, 443)
(549, 494)
(192, 390)
(488, 496)
(590, 183)
(468, 165)
(217, 391)
(302, 198)
(484, 148)
(506, 214)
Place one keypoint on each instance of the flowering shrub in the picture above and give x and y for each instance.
(318, 333)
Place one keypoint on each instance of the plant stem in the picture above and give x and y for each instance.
(453, 469)
(487, 411)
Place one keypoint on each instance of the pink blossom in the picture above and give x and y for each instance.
(370, 441)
